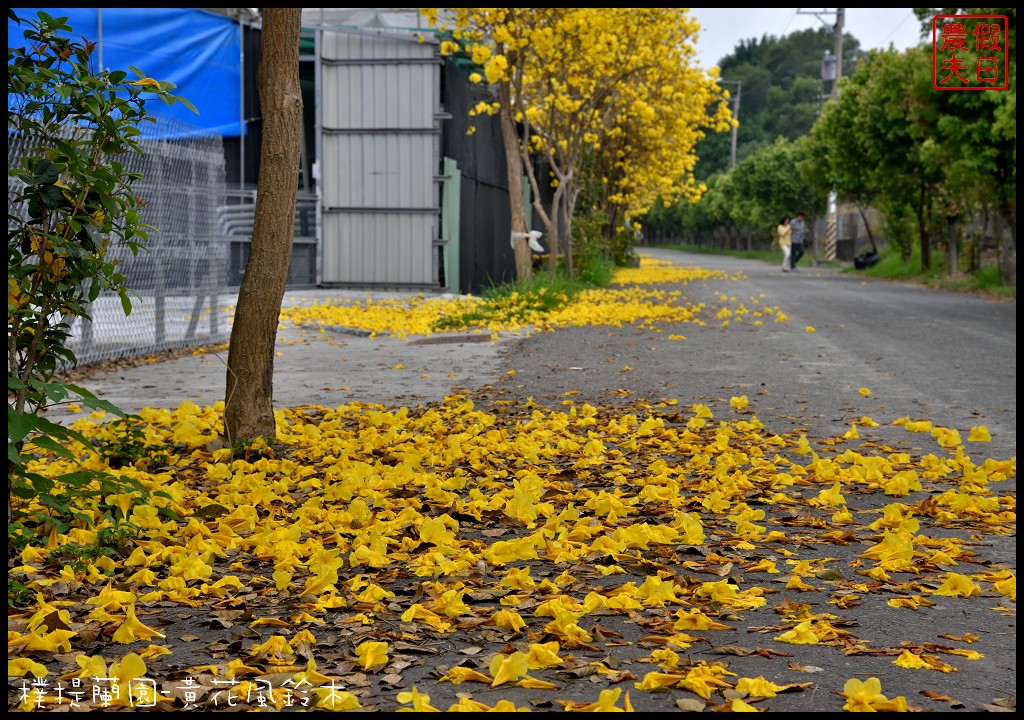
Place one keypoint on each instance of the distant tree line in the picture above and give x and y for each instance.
(939, 167)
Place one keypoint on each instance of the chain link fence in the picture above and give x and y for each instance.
(179, 286)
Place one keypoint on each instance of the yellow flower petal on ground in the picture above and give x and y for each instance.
(110, 599)
(763, 565)
(20, 667)
(866, 696)
(695, 619)
(133, 629)
(913, 661)
(758, 687)
(666, 658)
(739, 402)
(282, 579)
(371, 654)
(737, 705)
(518, 579)
(460, 674)
(946, 437)
(910, 661)
(532, 683)
(797, 583)
(605, 703)
(969, 654)
(543, 655)
(152, 652)
(802, 634)
(420, 701)
(238, 668)
(507, 619)
(303, 636)
(705, 679)
(979, 433)
(862, 695)
(957, 585)
(1007, 587)
(305, 617)
(466, 704)
(311, 675)
(658, 680)
(276, 647)
(829, 497)
(508, 668)
(191, 567)
(913, 602)
(335, 699)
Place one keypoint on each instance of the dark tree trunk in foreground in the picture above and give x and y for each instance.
(248, 403)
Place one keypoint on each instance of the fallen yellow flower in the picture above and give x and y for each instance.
(957, 585)
(133, 629)
(802, 634)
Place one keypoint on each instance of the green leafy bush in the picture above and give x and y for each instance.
(72, 204)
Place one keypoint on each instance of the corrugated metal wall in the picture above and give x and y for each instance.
(379, 159)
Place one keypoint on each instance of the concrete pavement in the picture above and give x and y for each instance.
(327, 366)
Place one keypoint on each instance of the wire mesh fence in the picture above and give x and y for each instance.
(178, 286)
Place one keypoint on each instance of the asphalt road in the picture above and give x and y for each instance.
(948, 357)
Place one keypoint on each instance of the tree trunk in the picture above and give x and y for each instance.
(1007, 244)
(568, 203)
(924, 228)
(510, 139)
(551, 224)
(248, 404)
(952, 246)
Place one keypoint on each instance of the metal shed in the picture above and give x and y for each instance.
(378, 152)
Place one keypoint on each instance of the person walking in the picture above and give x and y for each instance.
(799, 234)
(784, 236)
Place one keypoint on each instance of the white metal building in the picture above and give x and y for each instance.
(378, 149)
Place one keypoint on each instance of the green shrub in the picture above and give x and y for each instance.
(70, 204)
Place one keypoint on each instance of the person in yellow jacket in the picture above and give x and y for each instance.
(784, 237)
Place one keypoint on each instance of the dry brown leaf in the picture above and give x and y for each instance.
(734, 650)
(997, 708)
(402, 646)
(578, 672)
(89, 632)
(939, 697)
(691, 705)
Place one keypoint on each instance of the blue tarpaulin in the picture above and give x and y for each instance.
(198, 51)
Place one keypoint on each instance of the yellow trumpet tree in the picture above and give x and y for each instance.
(609, 90)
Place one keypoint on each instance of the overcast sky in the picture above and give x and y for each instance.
(722, 29)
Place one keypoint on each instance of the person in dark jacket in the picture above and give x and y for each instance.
(799, 229)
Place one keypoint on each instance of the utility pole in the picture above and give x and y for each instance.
(831, 68)
(735, 117)
(840, 17)
(837, 51)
